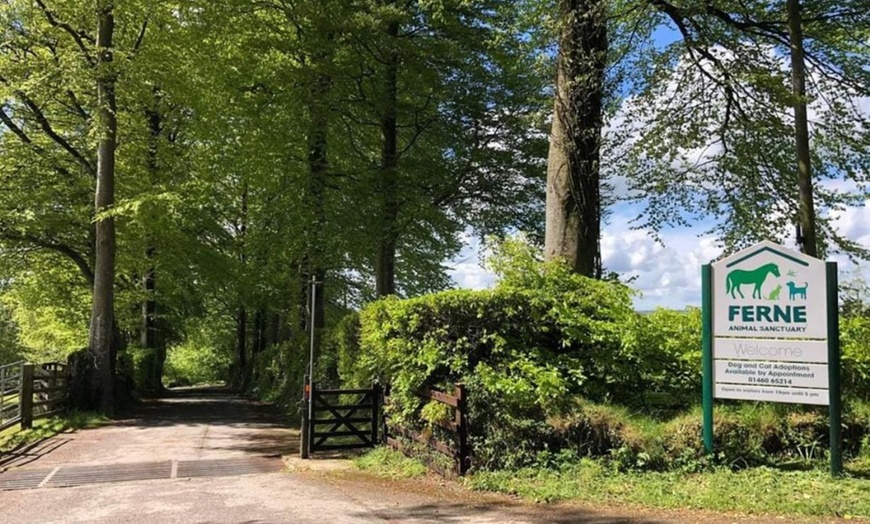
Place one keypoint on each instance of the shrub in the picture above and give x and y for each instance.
(524, 349)
(855, 347)
(670, 348)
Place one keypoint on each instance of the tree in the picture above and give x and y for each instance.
(103, 312)
(573, 228)
(710, 125)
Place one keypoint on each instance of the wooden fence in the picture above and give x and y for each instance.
(455, 427)
(10, 394)
(29, 392)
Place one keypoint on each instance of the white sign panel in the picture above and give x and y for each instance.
(782, 374)
(769, 394)
(768, 291)
(769, 349)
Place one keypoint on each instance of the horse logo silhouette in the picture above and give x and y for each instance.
(756, 277)
(794, 291)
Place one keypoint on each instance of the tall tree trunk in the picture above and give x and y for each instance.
(385, 268)
(102, 313)
(318, 165)
(149, 335)
(807, 212)
(241, 347)
(259, 331)
(244, 365)
(573, 227)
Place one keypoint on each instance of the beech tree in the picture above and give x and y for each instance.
(573, 230)
(726, 121)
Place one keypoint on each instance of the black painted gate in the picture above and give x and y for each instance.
(340, 419)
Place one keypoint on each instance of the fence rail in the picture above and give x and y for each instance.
(10, 394)
(29, 392)
(456, 429)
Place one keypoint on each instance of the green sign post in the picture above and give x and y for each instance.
(770, 326)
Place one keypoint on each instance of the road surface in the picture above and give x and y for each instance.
(208, 456)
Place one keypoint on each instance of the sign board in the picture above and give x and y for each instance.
(818, 397)
(777, 374)
(768, 291)
(771, 349)
(771, 333)
(768, 303)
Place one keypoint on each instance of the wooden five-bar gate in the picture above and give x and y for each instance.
(340, 419)
(343, 419)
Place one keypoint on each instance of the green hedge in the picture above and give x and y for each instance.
(556, 363)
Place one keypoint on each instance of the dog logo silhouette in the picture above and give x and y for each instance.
(795, 292)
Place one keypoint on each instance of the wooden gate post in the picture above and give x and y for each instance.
(303, 432)
(376, 411)
(26, 400)
(312, 419)
(462, 427)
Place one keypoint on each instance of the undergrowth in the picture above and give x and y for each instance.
(14, 437)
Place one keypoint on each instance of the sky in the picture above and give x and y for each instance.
(666, 274)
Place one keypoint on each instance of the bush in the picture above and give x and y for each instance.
(557, 365)
(524, 349)
(855, 346)
(197, 360)
(671, 357)
(279, 372)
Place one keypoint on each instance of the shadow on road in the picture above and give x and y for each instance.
(263, 427)
(447, 513)
(28, 453)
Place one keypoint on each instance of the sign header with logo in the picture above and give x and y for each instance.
(768, 291)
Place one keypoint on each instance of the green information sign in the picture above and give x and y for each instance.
(771, 333)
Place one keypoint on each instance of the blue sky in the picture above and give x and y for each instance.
(669, 275)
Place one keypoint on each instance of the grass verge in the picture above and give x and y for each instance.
(385, 462)
(44, 428)
(761, 490)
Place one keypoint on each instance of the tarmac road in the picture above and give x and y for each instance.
(208, 456)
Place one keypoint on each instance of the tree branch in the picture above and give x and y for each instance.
(80, 37)
(57, 247)
(49, 130)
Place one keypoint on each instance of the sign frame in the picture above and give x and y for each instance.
(833, 354)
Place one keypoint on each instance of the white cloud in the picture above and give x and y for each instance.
(467, 270)
(666, 276)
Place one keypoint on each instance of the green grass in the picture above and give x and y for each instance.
(756, 490)
(44, 428)
(760, 491)
(385, 462)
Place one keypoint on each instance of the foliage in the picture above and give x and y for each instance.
(386, 462)
(202, 358)
(14, 437)
(279, 372)
(769, 492)
(523, 349)
(855, 348)
(706, 125)
(559, 365)
(10, 346)
(671, 356)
